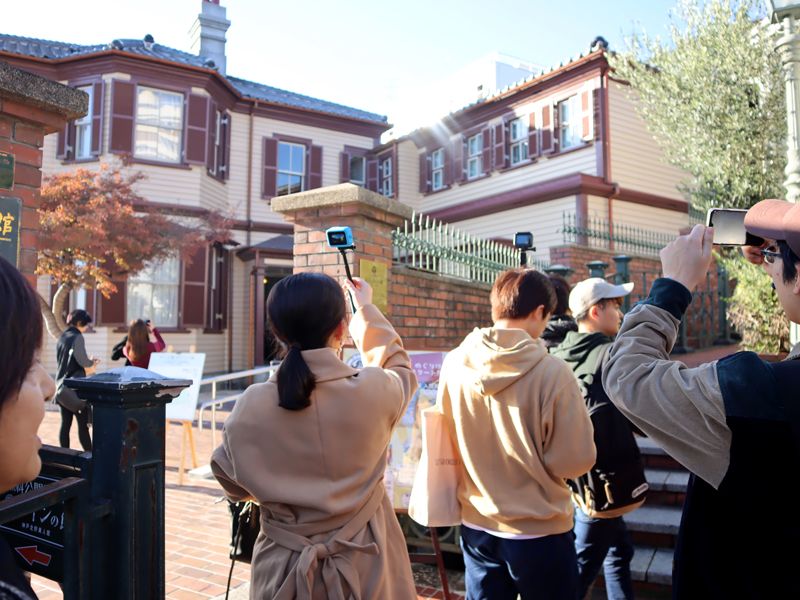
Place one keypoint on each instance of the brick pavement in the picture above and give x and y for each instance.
(197, 528)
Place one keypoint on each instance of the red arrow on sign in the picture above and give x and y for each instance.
(32, 555)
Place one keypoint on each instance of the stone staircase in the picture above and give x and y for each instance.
(654, 526)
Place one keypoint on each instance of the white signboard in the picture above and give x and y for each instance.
(180, 366)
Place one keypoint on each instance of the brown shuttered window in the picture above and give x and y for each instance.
(123, 114)
(533, 136)
(111, 311)
(269, 177)
(486, 158)
(98, 99)
(447, 167)
(424, 177)
(548, 137)
(344, 167)
(587, 115)
(314, 167)
(217, 289)
(65, 143)
(226, 145)
(500, 146)
(458, 159)
(196, 131)
(372, 174)
(193, 290)
(212, 154)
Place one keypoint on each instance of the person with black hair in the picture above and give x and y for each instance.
(24, 388)
(310, 447)
(734, 423)
(73, 362)
(561, 322)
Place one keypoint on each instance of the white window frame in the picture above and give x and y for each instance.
(363, 159)
(518, 140)
(569, 130)
(217, 136)
(291, 171)
(170, 128)
(437, 169)
(83, 129)
(475, 157)
(387, 189)
(146, 277)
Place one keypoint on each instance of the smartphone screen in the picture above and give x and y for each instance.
(728, 224)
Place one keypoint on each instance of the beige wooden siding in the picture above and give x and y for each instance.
(239, 314)
(636, 159)
(545, 169)
(647, 217)
(544, 220)
(408, 174)
(597, 207)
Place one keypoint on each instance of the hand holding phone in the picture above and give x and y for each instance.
(728, 224)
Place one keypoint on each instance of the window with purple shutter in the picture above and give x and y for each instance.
(458, 159)
(500, 146)
(212, 154)
(424, 178)
(98, 99)
(314, 167)
(344, 167)
(372, 174)
(269, 177)
(196, 131)
(226, 148)
(111, 311)
(193, 290)
(123, 115)
(548, 140)
(533, 136)
(65, 143)
(447, 167)
(586, 115)
(487, 150)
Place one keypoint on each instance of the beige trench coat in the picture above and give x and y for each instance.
(328, 529)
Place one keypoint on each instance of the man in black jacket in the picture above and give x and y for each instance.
(729, 422)
(601, 538)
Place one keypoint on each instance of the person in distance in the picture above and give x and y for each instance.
(729, 422)
(560, 322)
(24, 388)
(517, 417)
(138, 346)
(310, 445)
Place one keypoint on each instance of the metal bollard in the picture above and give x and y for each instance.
(127, 545)
(562, 270)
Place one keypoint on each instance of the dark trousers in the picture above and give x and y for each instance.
(603, 543)
(540, 569)
(82, 418)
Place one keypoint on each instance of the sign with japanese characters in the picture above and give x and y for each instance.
(376, 274)
(10, 215)
(6, 171)
(37, 539)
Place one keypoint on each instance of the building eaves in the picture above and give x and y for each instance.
(259, 91)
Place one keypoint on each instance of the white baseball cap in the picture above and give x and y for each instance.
(591, 291)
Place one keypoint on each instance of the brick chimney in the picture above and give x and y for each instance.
(208, 33)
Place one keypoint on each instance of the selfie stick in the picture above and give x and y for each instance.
(523, 258)
(350, 277)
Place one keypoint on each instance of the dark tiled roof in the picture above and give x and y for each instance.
(259, 91)
(279, 242)
(50, 50)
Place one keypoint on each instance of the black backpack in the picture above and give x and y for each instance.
(616, 484)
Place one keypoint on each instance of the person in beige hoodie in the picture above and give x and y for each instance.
(518, 419)
(310, 446)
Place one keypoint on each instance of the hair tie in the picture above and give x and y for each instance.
(295, 345)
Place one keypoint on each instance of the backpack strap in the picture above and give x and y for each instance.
(787, 374)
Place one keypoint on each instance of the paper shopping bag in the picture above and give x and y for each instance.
(434, 496)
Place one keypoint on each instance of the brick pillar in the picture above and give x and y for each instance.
(369, 215)
(30, 108)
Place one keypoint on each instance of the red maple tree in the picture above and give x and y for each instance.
(94, 226)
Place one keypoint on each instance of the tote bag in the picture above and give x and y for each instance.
(434, 496)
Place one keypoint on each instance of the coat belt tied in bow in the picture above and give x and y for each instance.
(335, 564)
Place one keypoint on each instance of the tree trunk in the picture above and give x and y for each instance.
(50, 319)
(58, 304)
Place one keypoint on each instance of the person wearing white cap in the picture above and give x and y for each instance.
(734, 423)
(601, 537)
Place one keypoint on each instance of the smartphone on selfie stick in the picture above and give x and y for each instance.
(524, 241)
(341, 238)
(728, 224)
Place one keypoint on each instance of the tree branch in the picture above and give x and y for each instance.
(58, 304)
(49, 319)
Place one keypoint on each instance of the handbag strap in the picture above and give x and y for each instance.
(246, 511)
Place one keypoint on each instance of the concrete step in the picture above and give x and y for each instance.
(664, 520)
(652, 565)
(667, 480)
(655, 457)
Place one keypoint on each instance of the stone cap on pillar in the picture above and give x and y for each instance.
(127, 387)
(28, 89)
(338, 195)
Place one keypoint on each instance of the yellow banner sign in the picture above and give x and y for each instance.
(377, 275)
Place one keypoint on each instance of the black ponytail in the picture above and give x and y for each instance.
(303, 311)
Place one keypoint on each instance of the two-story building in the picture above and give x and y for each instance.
(565, 140)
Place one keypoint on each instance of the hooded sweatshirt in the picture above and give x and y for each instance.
(518, 419)
(557, 328)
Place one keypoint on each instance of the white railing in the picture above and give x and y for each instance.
(213, 381)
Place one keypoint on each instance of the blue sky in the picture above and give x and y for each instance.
(367, 54)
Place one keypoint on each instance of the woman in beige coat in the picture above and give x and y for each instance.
(310, 447)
